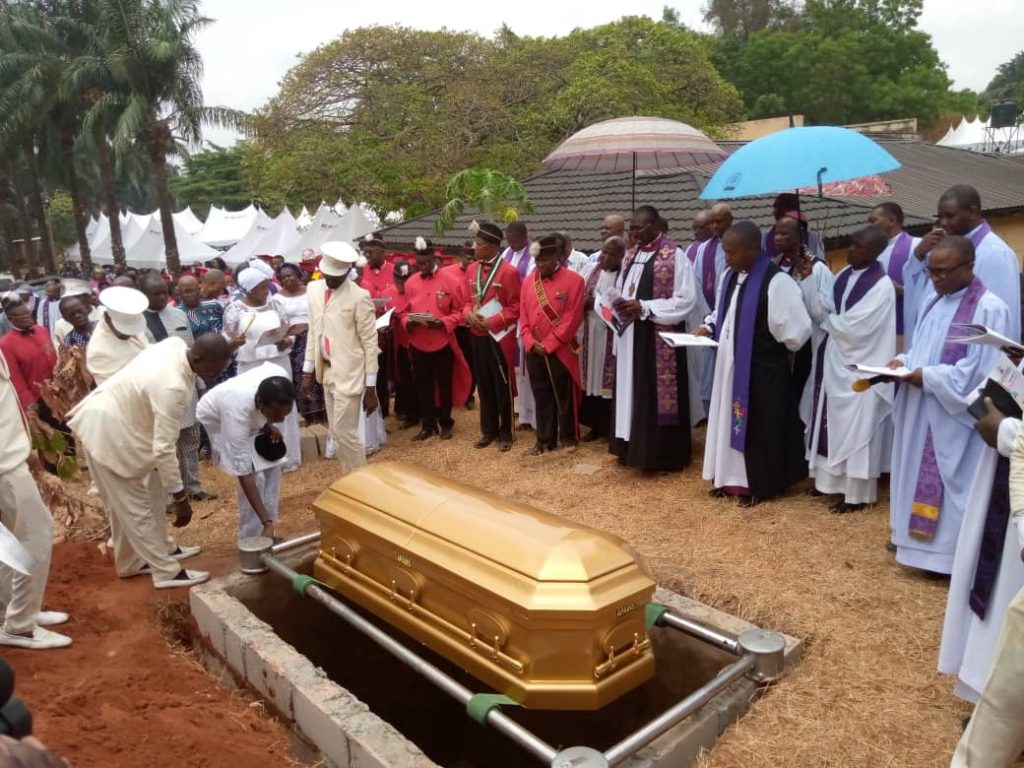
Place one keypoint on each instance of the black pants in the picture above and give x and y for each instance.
(407, 402)
(463, 336)
(383, 373)
(494, 387)
(432, 372)
(552, 389)
(596, 413)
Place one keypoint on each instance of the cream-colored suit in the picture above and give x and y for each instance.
(106, 354)
(128, 428)
(346, 319)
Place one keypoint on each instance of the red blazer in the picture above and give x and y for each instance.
(379, 283)
(555, 325)
(443, 297)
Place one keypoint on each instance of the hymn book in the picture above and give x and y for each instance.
(975, 333)
(687, 340)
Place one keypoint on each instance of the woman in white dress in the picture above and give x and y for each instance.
(249, 317)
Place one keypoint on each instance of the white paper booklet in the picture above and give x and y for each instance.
(881, 370)
(384, 321)
(1009, 377)
(490, 309)
(975, 333)
(687, 340)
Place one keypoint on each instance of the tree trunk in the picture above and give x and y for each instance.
(27, 265)
(158, 154)
(67, 150)
(38, 209)
(110, 202)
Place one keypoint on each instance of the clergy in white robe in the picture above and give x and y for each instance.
(709, 268)
(995, 263)
(888, 216)
(794, 258)
(597, 363)
(518, 256)
(755, 446)
(858, 318)
(655, 291)
(936, 450)
(987, 570)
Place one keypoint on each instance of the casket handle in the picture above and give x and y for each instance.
(621, 645)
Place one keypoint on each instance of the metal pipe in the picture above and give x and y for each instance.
(648, 733)
(495, 718)
(298, 541)
(708, 635)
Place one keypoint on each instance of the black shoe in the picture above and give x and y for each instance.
(748, 501)
(203, 496)
(423, 434)
(890, 547)
(408, 423)
(446, 433)
(471, 404)
(814, 493)
(484, 441)
(504, 444)
(717, 493)
(525, 427)
(570, 444)
(537, 450)
(843, 508)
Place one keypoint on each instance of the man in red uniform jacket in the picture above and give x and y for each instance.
(378, 278)
(492, 310)
(550, 313)
(29, 352)
(459, 268)
(434, 305)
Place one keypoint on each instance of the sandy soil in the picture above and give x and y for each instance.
(867, 693)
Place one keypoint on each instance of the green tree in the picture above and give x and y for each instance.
(213, 176)
(1008, 83)
(742, 18)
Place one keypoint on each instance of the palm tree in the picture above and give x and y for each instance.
(155, 70)
(493, 192)
(35, 64)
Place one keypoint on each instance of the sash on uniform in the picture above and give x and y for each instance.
(868, 279)
(897, 260)
(665, 356)
(743, 346)
(924, 516)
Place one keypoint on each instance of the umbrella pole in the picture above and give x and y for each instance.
(632, 198)
(799, 221)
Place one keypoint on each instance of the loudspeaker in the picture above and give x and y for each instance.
(1003, 115)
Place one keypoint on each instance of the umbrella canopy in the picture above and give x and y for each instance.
(634, 143)
(866, 186)
(795, 158)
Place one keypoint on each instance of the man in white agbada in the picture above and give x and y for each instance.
(754, 447)
(987, 569)
(518, 256)
(995, 263)
(936, 451)
(234, 413)
(119, 335)
(24, 514)
(857, 315)
(128, 429)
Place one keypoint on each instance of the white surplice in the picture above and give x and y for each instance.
(817, 284)
(592, 357)
(707, 354)
(790, 325)
(941, 406)
(525, 405)
(968, 642)
(865, 334)
(668, 312)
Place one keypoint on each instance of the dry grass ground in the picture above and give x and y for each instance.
(867, 692)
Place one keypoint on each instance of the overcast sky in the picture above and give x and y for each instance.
(253, 43)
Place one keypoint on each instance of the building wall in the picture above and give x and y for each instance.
(1011, 229)
(755, 129)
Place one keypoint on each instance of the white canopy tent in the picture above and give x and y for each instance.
(132, 230)
(271, 238)
(225, 228)
(148, 252)
(976, 136)
(188, 220)
(327, 226)
(304, 219)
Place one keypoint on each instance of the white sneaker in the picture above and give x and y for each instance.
(51, 618)
(183, 579)
(184, 553)
(41, 640)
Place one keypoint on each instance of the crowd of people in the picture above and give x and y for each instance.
(745, 331)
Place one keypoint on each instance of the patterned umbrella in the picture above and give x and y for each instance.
(866, 186)
(634, 143)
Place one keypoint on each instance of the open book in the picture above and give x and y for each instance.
(489, 310)
(1005, 387)
(975, 333)
(687, 340)
(881, 370)
(384, 320)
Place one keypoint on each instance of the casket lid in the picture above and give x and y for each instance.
(537, 544)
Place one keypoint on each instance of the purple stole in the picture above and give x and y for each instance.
(691, 252)
(897, 259)
(868, 280)
(524, 262)
(666, 378)
(924, 516)
(708, 274)
(746, 315)
(608, 373)
(983, 231)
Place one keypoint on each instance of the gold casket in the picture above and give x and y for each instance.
(545, 611)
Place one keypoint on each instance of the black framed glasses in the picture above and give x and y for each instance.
(938, 274)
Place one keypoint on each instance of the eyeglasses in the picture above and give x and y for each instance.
(938, 274)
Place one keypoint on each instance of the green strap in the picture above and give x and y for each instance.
(481, 704)
(301, 583)
(654, 612)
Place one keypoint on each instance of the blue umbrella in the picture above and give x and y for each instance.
(795, 158)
